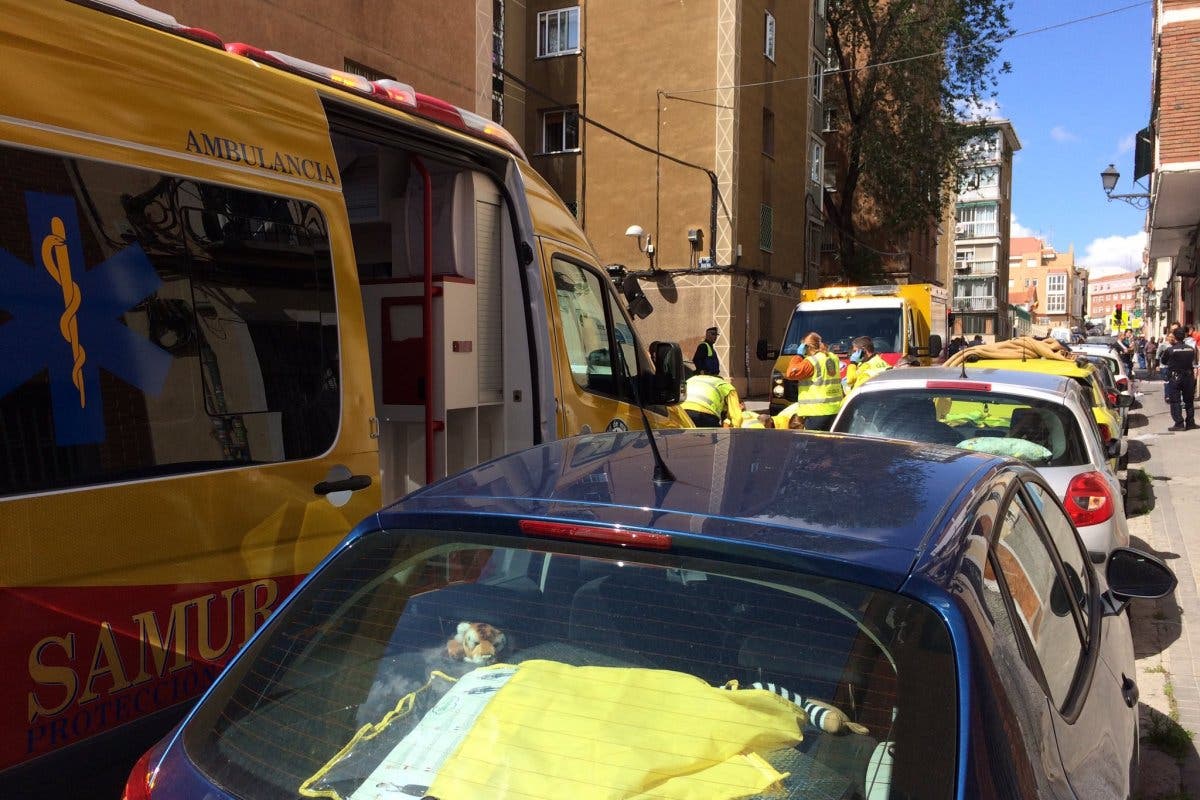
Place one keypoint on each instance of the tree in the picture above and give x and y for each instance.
(912, 76)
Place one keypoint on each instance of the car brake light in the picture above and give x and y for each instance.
(622, 537)
(1089, 500)
(141, 780)
(1112, 398)
(971, 386)
(1123, 383)
(1105, 432)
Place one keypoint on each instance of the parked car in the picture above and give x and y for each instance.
(1111, 382)
(1045, 420)
(787, 615)
(1108, 419)
(1116, 364)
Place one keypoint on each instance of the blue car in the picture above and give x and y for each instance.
(772, 615)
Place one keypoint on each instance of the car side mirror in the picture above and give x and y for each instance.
(935, 345)
(665, 385)
(1112, 448)
(635, 299)
(1134, 574)
(1124, 400)
(765, 352)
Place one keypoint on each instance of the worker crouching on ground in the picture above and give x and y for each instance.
(864, 364)
(818, 390)
(712, 402)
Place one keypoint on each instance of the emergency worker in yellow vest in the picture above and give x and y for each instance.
(711, 401)
(819, 386)
(865, 363)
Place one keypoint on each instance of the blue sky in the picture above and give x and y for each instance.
(1076, 97)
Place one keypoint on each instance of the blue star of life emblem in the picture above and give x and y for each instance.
(66, 318)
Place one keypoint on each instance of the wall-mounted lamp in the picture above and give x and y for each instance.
(637, 232)
(1109, 178)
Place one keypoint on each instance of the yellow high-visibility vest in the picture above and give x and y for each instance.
(821, 393)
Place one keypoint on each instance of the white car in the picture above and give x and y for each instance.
(1044, 420)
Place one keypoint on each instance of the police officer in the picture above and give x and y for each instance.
(705, 359)
(1179, 364)
(819, 386)
(865, 363)
(711, 400)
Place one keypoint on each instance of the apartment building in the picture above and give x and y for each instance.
(1105, 294)
(1048, 282)
(983, 218)
(697, 124)
(1172, 158)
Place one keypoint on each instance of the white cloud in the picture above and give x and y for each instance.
(1017, 229)
(1061, 135)
(1125, 145)
(1112, 255)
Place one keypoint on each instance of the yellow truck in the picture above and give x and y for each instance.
(904, 321)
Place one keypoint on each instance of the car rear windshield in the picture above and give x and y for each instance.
(463, 666)
(1040, 432)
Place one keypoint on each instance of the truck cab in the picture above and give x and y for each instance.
(903, 321)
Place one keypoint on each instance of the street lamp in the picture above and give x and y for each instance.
(1109, 178)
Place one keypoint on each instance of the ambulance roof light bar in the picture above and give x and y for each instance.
(832, 292)
(137, 12)
(387, 91)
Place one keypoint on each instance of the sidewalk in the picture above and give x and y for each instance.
(1163, 508)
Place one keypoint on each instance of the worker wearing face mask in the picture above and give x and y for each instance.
(864, 364)
(818, 389)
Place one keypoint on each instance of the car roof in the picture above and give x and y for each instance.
(1050, 366)
(1042, 381)
(844, 506)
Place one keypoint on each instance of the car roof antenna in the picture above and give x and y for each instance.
(662, 473)
(963, 374)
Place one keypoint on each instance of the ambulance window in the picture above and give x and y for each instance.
(581, 305)
(200, 325)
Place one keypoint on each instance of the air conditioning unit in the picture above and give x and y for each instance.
(960, 229)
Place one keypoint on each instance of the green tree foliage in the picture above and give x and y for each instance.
(912, 76)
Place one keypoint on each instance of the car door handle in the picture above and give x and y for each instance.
(1129, 690)
(351, 484)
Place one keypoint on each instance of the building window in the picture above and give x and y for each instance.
(768, 132)
(558, 32)
(819, 8)
(818, 78)
(766, 227)
(831, 121)
(370, 73)
(560, 131)
(1056, 294)
(769, 37)
(975, 221)
(816, 164)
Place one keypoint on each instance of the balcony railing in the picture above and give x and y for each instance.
(975, 303)
(971, 269)
(974, 230)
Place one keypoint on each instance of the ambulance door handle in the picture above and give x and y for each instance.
(352, 484)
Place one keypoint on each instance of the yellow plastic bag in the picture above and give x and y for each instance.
(557, 731)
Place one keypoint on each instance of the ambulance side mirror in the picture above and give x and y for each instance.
(664, 387)
(935, 345)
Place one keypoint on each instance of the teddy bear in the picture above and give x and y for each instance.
(477, 643)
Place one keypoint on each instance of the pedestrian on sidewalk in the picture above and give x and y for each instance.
(1151, 356)
(1179, 361)
(705, 360)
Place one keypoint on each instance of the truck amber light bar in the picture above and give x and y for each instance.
(621, 537)
(970, 386)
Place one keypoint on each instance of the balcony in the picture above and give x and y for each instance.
(972, 269)
(975, 230)
(975, 303)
